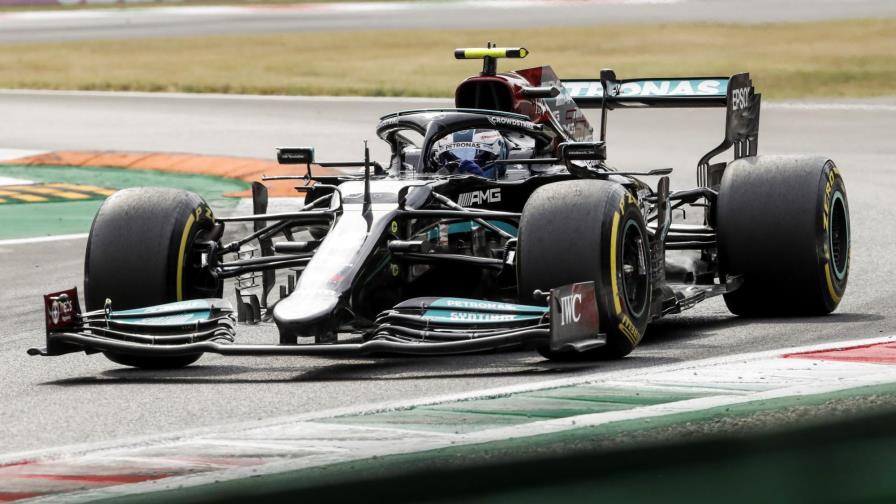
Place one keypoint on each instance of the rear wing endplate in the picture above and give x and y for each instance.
(736, 94)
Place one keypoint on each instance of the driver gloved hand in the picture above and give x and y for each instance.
(470, 167)
(490, 171)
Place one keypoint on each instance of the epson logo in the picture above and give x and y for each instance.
(569, 313)
(740, 98)
(492, 195)
(61, 310)
(515, 123)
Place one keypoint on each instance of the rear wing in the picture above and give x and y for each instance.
(661, 92)
(736, 94)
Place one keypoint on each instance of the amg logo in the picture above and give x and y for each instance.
(492, 195)
(740, 98)
(569, 313)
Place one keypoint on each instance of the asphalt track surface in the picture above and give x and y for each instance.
(49, 402)
(174, 22)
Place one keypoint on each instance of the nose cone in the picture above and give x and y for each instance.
(307, 314)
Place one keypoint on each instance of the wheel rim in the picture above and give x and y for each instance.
(838, 237)
(635, 281)
(198, 280)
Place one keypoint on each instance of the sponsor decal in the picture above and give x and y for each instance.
(628, 329)
(461, 317)
(740, 98)
(570, 309)
(651, 88)
(826, 209)
(62, 309)
(574, 317)
(465, 315)
(514, 123)
(295, 155)
(54, 311)
(467, 145)
(388, 122)
(492, 195)
(475, 304)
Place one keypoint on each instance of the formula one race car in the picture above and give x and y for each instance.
(496, 224)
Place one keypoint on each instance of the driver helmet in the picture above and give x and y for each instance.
(472, 151)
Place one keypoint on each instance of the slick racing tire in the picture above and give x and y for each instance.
(783, 225)
(140, 253)
(589, 230)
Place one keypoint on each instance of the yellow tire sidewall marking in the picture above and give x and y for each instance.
(825, 222)
(182, 251)
(626, 326)
(614, 283)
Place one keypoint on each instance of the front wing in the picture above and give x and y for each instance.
(420, 326)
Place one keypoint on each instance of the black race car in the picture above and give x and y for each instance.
(495, 224)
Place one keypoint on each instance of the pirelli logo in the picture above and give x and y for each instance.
(492, 195)
(51, 192)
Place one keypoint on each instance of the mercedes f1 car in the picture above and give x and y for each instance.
(496, 224)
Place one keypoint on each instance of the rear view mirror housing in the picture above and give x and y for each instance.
(295, 155)
(583, 151)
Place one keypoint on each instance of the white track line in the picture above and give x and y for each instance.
(11, 154)
(8, 181)
(42, 239)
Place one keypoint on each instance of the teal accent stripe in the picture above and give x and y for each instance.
(450, 303)
(174, 319)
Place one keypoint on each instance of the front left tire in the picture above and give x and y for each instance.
(141, 252)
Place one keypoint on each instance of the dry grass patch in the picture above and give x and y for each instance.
(831, 59)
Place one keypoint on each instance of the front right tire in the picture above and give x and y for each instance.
(589, 230)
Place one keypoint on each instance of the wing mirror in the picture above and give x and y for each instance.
(583, 151)
(295, 155)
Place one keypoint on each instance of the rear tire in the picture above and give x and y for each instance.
(589, 230)
(140, 253)
(783, 224)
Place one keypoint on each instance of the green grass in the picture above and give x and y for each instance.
(22, 220)
(819, 59)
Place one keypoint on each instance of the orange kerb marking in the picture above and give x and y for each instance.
(245, 169)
